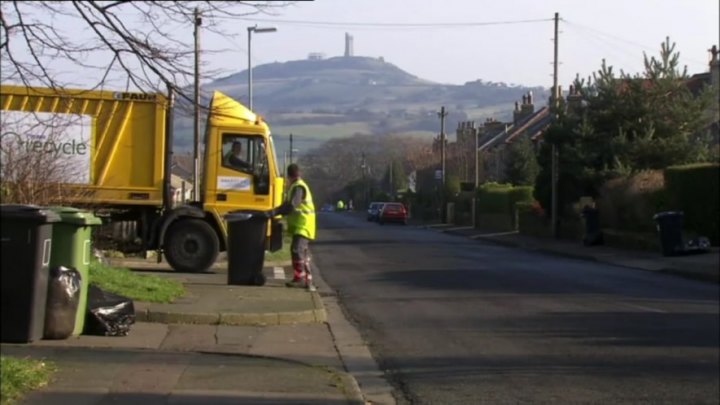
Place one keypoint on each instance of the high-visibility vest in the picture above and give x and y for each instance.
(302, 220)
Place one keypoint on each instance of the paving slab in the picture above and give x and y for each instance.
(122, 376)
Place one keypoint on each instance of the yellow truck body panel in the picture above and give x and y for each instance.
(126, 142)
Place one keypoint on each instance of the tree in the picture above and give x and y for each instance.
(522, 166)
(625, 124)
(143, 40)
(654, 116)
(395, 177)
(339, 162)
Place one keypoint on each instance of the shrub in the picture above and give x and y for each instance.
(495, 200)
(452, 185)
(491, 185)
(629, 203)
(501, 198)
(695, 190)
(530, 207)
(524, 206)
(521, 194)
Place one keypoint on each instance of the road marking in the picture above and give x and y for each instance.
(459, 228)
(491, 235)
(279, 273)
(644, 308)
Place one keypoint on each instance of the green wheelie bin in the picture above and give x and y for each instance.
(72, 247)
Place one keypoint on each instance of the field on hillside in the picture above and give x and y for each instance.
(318, 131)
(305, 144)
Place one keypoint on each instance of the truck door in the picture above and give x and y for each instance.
(243, 176)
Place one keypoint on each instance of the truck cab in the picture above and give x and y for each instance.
(240, 172)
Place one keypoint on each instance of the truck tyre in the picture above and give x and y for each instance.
(191, 246)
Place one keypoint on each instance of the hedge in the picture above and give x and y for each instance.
(501, 198)
(629, 203)
(695, 190)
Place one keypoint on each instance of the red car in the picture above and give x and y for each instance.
(393, 212)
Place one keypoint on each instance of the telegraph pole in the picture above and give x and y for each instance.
(291, 149)
(477, 175)
(285, 163)
(392, 192)
(363, 168)
(554, 158)
(442, 114)
(196, 137)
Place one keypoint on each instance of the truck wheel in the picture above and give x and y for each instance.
(191, 246)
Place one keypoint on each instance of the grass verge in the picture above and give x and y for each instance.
(282, 254)
(19, 376)
(140, 287)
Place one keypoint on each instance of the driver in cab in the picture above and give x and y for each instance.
(234, 158)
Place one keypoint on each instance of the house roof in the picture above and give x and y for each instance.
(694, 83)
(698, 81)
(489, 138)
(532, 124)
(537, 122)
(182, 166)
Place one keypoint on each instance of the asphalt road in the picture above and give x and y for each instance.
(456, 321)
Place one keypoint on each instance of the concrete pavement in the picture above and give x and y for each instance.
(218, 344)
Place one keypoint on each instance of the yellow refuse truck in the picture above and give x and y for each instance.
(116, 149)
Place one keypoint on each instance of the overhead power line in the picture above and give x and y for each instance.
(604, 36)
(392, 24)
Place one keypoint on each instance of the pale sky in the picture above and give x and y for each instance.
(455, 41)
(617, 30)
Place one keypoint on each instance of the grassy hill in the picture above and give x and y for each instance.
(316, 100)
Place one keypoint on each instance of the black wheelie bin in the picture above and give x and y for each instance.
(26, 248)
(247, 235)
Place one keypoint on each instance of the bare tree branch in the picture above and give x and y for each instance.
(144, 40)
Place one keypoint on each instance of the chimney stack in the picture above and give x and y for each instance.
(526, 109)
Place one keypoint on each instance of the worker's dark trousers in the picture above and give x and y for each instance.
(300, 250)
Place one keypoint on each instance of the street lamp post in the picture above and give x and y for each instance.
(258, 30)
(293, 153)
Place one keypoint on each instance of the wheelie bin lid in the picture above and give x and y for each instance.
(668, 214)
(244, 215)
(28, 213)
(76, 216)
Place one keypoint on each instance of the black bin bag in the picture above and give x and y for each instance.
(108, 314)
(62, 302)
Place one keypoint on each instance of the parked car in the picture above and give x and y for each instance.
(327, 208)
(393, 212)
(374, 211)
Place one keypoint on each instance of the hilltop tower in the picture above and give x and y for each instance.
(348, 45)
